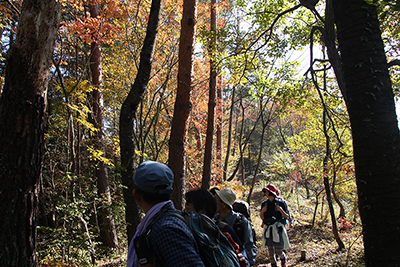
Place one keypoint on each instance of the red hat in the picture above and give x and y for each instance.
(271, 188)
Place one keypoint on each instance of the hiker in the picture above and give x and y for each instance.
(225, 198)
(243, 208)
(170, 239)
(223, 226)
(274, 214)
(203, 202)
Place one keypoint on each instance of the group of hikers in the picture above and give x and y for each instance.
(209, 232)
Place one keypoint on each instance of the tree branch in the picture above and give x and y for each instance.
(392, 63)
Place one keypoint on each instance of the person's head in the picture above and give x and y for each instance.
(270, 191)
(201, 201)
(214, 190)
(153, 182)
(225, 199)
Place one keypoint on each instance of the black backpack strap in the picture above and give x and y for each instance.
(143, 248)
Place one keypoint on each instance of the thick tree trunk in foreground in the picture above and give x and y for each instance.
(128, 110)
(376, 140)
(22, 111)
(183, 106)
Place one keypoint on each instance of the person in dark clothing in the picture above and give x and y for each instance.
(274, 214)
(170, 239)
(225, 198)
(203, 202)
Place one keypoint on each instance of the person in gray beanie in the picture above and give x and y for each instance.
(170, 239)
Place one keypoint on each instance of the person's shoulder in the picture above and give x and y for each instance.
(171, 218)
(280, 199)
(173, 241)
(234, 214)
(239, 216)
(170, 227)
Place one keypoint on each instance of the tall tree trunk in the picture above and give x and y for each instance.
(229, 137)
(22, 111)
(328, 155)
(325, 176)
(376, 140)
(264, 123)
(342, 210)
(219, 174)
(183, 105)
(208, 153)
(78, 131)
(127, 116)
(108, 235)
(317, 194)
(242, 148)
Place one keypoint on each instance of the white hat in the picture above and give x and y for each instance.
(227, 196)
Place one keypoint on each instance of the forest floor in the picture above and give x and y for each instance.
(318, 242)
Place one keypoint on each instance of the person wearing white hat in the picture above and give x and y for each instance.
(225, 198)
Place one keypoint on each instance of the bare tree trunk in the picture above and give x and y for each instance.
(264, 124)
(108, 235)
(218, 153)
(342, 211)
(183, 105)
(228, 146)
(127, 116)
(208, 153)
(22, 112)
(328, 186)
(78, 133)
(197, 136)
(241, 147)
(317, 194)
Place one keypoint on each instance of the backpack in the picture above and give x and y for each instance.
(242, 207)
(238, 227)
(272, 217)
(215, 249)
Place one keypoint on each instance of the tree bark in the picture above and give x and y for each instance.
(376, 140)
(265, 121)
(208, 152)
(127, 116)
(108, 235)
(325, 176)
(183, 105)
(219, 174)
(22, 111)
(229, 137)
(342, 210)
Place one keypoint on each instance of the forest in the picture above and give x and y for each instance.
(229, 94)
